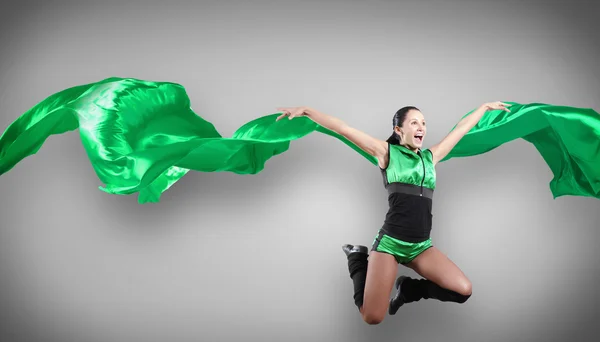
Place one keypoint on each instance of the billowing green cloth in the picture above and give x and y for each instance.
(567, 138)
(143, 136)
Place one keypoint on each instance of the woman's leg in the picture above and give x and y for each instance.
(373, 281)
(381, 274)
(435, 266)
(443, 281)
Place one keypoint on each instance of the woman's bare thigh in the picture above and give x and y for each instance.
(435, 266)
(381, 274)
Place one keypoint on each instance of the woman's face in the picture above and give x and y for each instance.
(413, 130)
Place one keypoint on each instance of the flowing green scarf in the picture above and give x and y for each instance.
(143, 136)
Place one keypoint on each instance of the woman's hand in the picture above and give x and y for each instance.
(292, 112)
(495, 105)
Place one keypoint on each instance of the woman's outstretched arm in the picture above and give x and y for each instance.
(373, 146)
(444, 147)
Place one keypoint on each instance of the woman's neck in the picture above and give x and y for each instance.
(410, 148)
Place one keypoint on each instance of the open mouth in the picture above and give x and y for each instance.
(419, 137)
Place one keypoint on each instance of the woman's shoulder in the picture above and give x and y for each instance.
(428, 153)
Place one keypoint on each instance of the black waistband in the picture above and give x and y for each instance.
(409, 189)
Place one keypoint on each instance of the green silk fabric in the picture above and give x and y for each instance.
(567, 138)
(142, 137)
(406, 166)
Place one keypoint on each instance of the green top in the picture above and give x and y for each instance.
(409, 167)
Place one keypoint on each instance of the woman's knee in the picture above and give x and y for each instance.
(465, 288)
(373, 318)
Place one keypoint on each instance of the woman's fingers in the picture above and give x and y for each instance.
(296, 113)
(499, 105)
(290, 112)
(285, 112)
(503, 106)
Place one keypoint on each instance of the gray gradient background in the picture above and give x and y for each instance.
(226, 257)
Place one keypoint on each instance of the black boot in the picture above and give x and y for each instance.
(398, 300)
(349, 249)
(357, 266)
(412, 290)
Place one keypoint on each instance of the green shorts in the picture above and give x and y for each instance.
(403, 251)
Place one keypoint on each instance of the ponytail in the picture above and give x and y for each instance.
(393, 139)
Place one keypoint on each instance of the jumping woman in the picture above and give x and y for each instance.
(409, 177)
